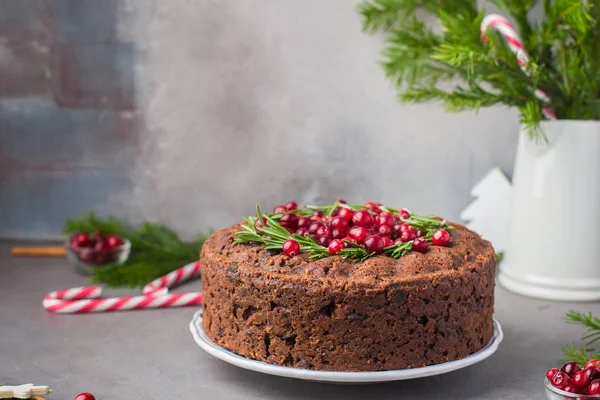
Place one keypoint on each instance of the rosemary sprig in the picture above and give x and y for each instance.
(272, 235)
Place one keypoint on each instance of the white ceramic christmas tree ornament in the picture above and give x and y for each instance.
(489, 213)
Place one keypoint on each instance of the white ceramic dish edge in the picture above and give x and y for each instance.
(340, 377)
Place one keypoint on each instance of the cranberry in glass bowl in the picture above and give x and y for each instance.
(89, 251)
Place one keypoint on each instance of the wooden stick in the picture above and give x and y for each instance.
(52, 251)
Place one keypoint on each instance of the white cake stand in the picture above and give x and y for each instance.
(340, 377)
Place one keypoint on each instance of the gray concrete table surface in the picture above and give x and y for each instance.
(151, 354)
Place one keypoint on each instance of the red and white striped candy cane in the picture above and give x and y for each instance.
(156, 295)
(514, 43)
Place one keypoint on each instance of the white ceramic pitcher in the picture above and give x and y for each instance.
(554, 247)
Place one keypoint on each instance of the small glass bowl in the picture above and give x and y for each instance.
(556, 394)
(85, 260)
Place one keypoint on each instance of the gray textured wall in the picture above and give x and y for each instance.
(235, 102)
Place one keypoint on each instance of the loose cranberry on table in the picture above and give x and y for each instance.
(85, 396)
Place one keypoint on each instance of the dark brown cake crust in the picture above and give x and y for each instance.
(338, 315)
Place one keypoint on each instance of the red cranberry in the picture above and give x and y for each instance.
(87, 255)
(301, 231)
(291, 248)
(570, 368)
(338, 233)
(340, 223)
(373, 206)
(406, 227)
(419, 233)
(304, 222)
(404, 213)
(593, 388)
(258, 224)
(384, 230)
(324, 240)
(374, 244)
(580, 379)
(291, 205)
(560, 380)
(550, 373)
(407, 236)
(289, 221)
(346, 213)
(362, 218)
(593, 372)
(80, 240)
(420, 245)
(348, 239)
(569, 389)
(441, 237)
(314, 226)
(386, 213)
(113, 241)
(358, 233)
(335, 246)
(317, 213)
(279, 209)
(323, 230)
(85, 396)
(387, 242)
(398, 241)
(101, 245)
(385, 220)
(592, 362)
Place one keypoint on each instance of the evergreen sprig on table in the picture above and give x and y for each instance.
(272, 235)
(591, 349)
(155, 250)
(563, 49)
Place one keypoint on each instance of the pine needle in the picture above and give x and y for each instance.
(591, 338)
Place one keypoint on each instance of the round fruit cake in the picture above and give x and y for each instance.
(363, 302)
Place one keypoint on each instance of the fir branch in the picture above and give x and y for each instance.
(155, 250)
(591, 337)
(563, 48)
